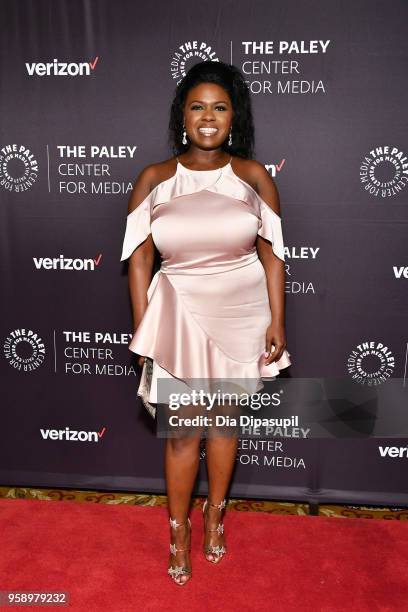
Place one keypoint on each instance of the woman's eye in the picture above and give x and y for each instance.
(196, 106)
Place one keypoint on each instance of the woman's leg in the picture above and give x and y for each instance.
(221, 453)
(182, 456)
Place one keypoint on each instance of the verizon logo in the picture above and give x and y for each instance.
(56, 68)
(66, 263)
(401, 271)
(273, 169)
(72, 435)
(393, 451)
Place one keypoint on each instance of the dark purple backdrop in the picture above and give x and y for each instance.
(338, 94)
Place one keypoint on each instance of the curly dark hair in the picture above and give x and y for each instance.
(232, 80)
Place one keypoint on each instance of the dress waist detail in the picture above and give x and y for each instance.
(215, 266)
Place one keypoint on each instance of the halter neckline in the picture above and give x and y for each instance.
(212, 169)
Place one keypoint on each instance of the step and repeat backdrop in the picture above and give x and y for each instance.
(86, 90)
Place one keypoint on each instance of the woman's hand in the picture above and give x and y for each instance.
(275, 334)
(140, 361)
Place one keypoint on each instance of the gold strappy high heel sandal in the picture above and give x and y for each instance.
(217, 551)
(179, 570)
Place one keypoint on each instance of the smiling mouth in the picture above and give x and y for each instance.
(208, 131)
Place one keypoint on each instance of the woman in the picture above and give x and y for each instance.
(216, 306)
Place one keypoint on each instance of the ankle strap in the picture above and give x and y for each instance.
(174, 550)
(174, 524)
(220, 506)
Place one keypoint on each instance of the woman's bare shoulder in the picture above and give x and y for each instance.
(248, 170)
(255, 174)
(156, 173)
(148, 178)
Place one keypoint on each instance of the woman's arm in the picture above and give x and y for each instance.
(139, 277)
(274, 270)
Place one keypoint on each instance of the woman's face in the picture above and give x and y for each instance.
(207, 115)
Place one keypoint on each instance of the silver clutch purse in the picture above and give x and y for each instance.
(145, 385)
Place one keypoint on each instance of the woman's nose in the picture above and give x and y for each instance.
(208, 114)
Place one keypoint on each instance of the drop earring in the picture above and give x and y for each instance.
(184, 140)
(230, 138)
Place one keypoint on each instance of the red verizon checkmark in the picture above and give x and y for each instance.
(92, 65)
(279, 166)
(100, 433)
(98, 259)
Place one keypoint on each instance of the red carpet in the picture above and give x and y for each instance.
(114, 558)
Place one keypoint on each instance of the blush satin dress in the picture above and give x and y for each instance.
(208, 306)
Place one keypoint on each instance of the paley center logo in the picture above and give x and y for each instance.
(370, 363)
(24, 349)
(384, 171)
(198, 50)
(57, 68)
(77, 264)
(18, 168)
(90, 169)
(296, 285)
(72, 435)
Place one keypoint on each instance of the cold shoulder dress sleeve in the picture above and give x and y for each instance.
(208, 305)
(137, 227)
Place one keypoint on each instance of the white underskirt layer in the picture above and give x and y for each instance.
(148, 387)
